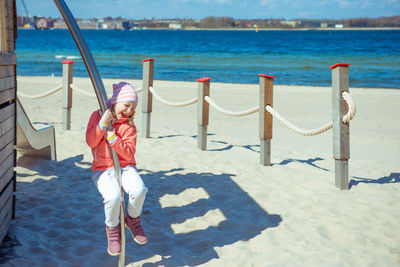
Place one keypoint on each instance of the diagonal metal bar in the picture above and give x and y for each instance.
(102, 99)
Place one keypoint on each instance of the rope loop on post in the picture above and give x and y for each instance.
(351, 112)
(169, 103)
(231, 113)
(346, 118)
(50, 92)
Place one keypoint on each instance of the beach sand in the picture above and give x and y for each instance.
(217, 207)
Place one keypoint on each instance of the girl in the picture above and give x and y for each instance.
(115, 128)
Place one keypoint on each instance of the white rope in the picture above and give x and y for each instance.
(50, 92)
(346, 118)
(294, 127)
(76, 88)
(58, 88)
(231, 113)
(73, 86)
(351, 112)
(169, 103)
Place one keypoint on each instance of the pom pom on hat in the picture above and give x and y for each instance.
(122, 92)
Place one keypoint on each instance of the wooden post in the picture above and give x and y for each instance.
(67, 93)
(265, 119)
(202, 111)
(147, 102)
(341, 144)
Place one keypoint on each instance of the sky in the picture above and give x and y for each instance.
(198, 9)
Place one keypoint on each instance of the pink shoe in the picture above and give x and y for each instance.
(133, 224)
(114, 240)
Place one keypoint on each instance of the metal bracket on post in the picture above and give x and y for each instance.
(202, 111)
(265, 119)
(147, 102)
(67, 92)
(341, 140)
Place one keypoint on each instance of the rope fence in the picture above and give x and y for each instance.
(48, 93)
(169, 103)
(296, 129)
(231, 113)
(76, 88)
(59, 88)
(343, 106)
(345, 119)
(344, 110)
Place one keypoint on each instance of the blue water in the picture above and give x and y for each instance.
(293, 57)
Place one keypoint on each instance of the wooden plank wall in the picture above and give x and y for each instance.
(8, 114)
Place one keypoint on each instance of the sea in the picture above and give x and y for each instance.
(294, 57)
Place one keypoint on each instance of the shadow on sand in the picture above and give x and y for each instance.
(60, 221)
(394, 177)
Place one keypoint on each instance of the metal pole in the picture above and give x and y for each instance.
(101, 98)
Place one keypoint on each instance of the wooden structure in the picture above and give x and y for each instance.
(32, 142)
(341, 131)
(202, 111)
(147, 106)
(67, 92)
(265, 119)
(8, 34)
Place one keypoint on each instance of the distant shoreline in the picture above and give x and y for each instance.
(245, 29)
(287, 29)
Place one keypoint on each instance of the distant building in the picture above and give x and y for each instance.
(175, 26)
(59, 24)
(41, 23)
(339, 26)
(44, 23)
(291, 23)
(324, 25)
(95, 24)
(114, 24)
(87, 24)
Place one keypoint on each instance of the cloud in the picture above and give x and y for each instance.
(267, 2)
(220, 2)
(224, 2)
(367, 4)
(345, 3)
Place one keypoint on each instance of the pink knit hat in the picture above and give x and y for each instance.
(122, 92)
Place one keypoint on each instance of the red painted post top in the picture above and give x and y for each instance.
(339, 65)
(266, 76)
(204, 79)
(67, 61)
(148, 59)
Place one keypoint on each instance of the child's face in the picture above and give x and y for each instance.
(124, 110)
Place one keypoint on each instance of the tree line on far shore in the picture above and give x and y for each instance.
(213, 23)
(229, 22)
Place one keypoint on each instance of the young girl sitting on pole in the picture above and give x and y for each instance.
(115, 128)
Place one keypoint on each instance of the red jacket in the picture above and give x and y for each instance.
(124, 146)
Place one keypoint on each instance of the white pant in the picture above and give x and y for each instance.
(107, 184)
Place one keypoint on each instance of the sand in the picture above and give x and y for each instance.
(218, 207)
